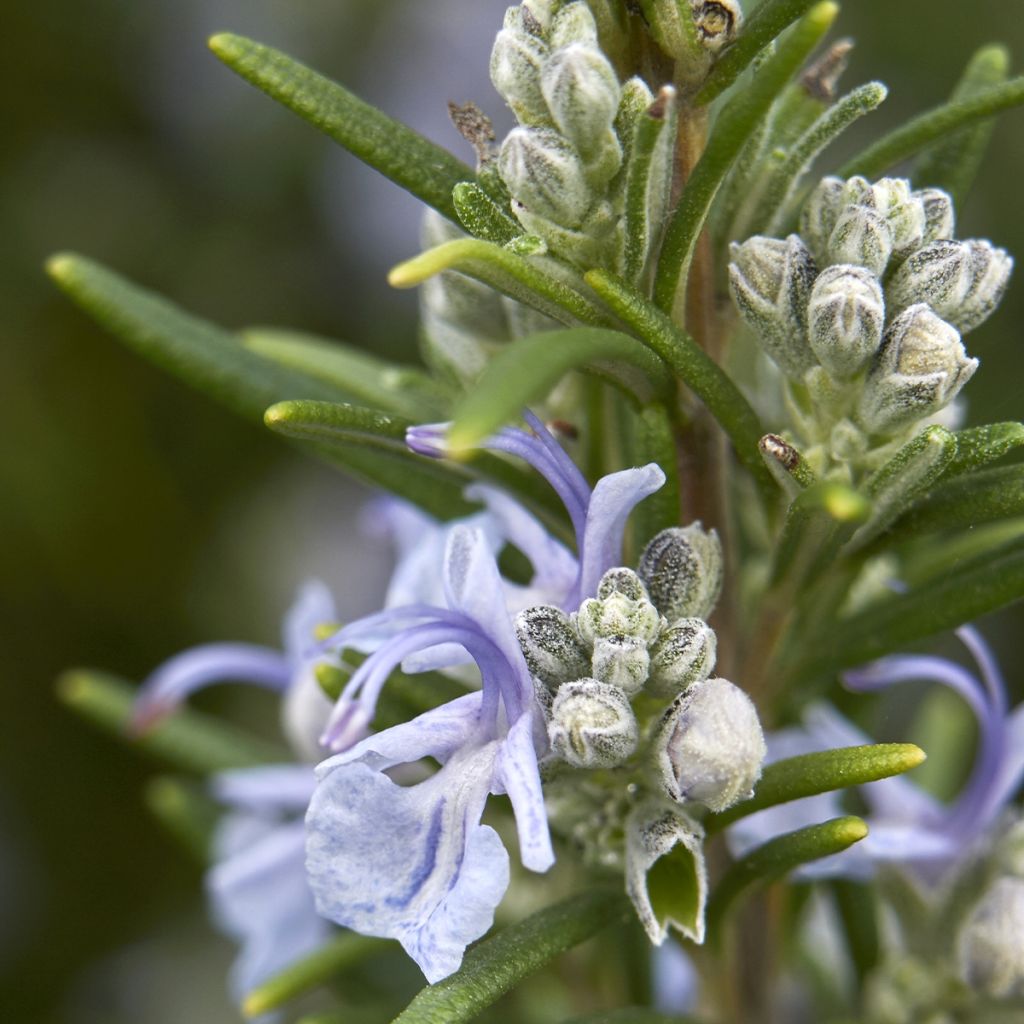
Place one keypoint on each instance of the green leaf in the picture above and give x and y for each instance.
(630, 1015)
(339, 423)
(820, 772)
(358, 376)
(778, 857)
(769, 20)
(399, 153)
(505, 271)
(186, 739)
(925, 559)
(647, 436)
(858, 913)
(978, 446)
(185, 811)
(526, 370)
(731, 130)
(493, 967)
(953, 163)
(964, 591)
(786, 464)
(693, 366)
(929, 127)
(481, 216)
(340, 954)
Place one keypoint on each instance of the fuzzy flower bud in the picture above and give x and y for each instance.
(919, 370)
(939, 215)
(771, 280)
(573, 24)
(682, 568)
(516, 61)
(684, 654)
(592, 725)
(582, 92)
(962, 282)
(990, 950)
(904, 213)
(551, 646)
(846, 318)
(621, 661)
(819, 215)
(861, 237)
(622, 608)
(544, 174)
(709, 746)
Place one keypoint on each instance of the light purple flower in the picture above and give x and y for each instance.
(414, 862)
(907, 825)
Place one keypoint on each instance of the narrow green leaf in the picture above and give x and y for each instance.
(340, 954)
(931, 126)
(786, 464)
(338, 422)
(928, 558)
(505, 271)
(526, 370)
(978, 446)
(493, 967)
(648, 437)
(358, 376)
(770, 19)
(820, 772)
(185, 811)
(856, 903)
(187, 739)
(953, 163)
(733, 127)
(778, 857)
(694, 367)
(399, 153)
(965, 591)
(630, 1015)
(481, 216)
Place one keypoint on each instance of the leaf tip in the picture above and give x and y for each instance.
(255, 1004)
(61, 266)
(72, 687)
(404, 275)
(850, 830)
(278, 414)
(913, 755)
(224, 45)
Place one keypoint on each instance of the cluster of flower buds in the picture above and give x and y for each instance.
(864, 309)
(645, 633)
(565, 166)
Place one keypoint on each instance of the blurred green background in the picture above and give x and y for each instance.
(137, 518)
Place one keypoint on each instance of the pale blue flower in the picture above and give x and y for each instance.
(907, 826)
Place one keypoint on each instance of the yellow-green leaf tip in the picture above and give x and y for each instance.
(913, 756)
(406, 275)
(851, 830)
(224, 44)
(72, 687)
(255, 1004)
(61, 266)
(279, 413)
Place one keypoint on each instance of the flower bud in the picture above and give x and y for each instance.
(861, 237)
(771, 280)
(990, 950)
(846, 318)
(544, 174)
(666, 876)
(709, 746)
(551, 646)
(682, 568)
(621, 661)
(573, 24)
(919, 369)
(582, 92)
(622, 581)
(904, 214)
(617, 613)
(516, 61)
(819, 215)
(961, 281)
(684, 654)
(717, 22)
(592, 725)
(939, 214)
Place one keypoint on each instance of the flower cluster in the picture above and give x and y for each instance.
(863, 313)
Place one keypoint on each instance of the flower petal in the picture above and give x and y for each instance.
(313, 606)
(272, 788)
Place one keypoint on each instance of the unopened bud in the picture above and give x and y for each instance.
(717, 22)
(920, 369)
(573, 24)
(939, 214)
(553, 650)
(516, 61)
(861, 237)
(623, 581)
(682, 568)
(616, 612)
(846, 318)
(961, 281)
(544, 174)
(709, 746)
(582, 92)
(771, 280)
(621, 661)
(904, 213)
(592, 725)
(819, 215)
(989, 946)
(682, 656)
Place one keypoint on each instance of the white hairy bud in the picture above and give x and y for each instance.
(551, 645)
(622, 608)
(990, 950)
(682, 569)
(862, 237)
(771, 280)
(904, 213)
(683, 655)
(709, 746)
(573, 24)
(545, 175)
(621, 580)
(962, 282)
(819, 215)
(592, 725)
(845, 319)
(621, 661)
(582, 92)
(939, 214)
(919, 370)
(516, 61)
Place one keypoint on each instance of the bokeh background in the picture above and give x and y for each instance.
(137, 518)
